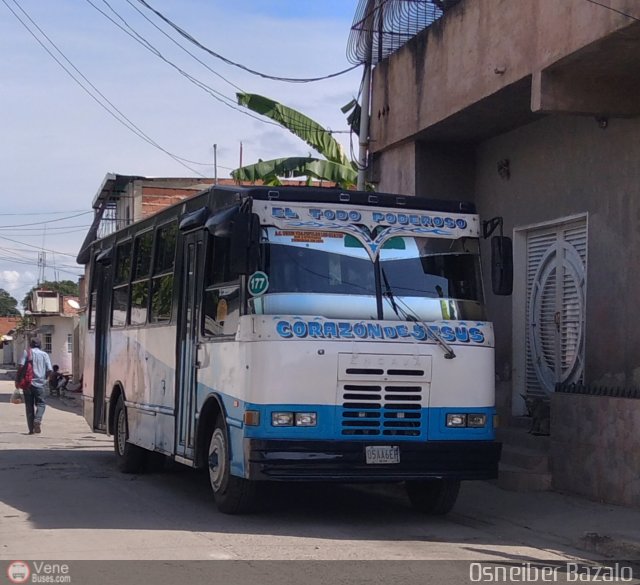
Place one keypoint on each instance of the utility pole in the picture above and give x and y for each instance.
(368, 24)
(215, 164)
(364, 128)
(42, 264)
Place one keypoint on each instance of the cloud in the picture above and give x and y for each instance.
(13, 281)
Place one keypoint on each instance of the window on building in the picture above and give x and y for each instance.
(162, 276)
(69, 343)
(47, 342)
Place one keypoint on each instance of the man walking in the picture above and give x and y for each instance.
(34, 395)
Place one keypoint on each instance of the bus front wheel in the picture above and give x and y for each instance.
(130, 458)
(233, 495)
(436, 497)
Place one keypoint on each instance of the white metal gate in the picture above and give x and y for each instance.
(555, 309)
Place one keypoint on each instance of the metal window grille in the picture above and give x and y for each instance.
(381, 27)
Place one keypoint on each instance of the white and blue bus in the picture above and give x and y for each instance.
(298, 334)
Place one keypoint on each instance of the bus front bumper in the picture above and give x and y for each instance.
(345, 461)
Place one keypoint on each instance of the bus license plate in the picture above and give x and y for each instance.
(378, 455)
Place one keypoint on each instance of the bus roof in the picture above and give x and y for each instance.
(342, 196)
(219, 197)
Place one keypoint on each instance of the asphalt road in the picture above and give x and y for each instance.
(62, 499)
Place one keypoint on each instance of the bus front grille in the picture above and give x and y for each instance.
(384, 410)
(383, 396)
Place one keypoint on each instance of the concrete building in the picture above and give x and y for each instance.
(7, 328)
(530, 109)
(53, 318)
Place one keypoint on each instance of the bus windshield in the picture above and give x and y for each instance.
(330, 274)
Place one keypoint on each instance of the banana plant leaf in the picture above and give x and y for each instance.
(269, 171)
(302, 126)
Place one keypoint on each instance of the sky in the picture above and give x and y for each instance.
(57, 143)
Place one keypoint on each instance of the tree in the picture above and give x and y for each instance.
(8, 305)
(336, 167)
(64, 287)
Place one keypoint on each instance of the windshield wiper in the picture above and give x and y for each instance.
(408, 314)
(448, 350)
(388, 294)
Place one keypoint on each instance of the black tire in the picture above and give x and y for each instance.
(130, 458)
(156, 462)
(436, 497)
(233, 495)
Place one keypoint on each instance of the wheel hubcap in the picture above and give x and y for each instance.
(217, 460)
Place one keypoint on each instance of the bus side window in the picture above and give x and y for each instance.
(120, 299)
(140, 279)
(93, 297)
(221, 306)
(162, 277)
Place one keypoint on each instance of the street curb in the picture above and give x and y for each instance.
(610, 546)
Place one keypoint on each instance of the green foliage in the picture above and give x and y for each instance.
(8, 305)
(303, 127)
(270, 171)
(337, 168)
(64, 287)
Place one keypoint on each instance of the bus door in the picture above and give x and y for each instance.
(101, 293)
(188, 342)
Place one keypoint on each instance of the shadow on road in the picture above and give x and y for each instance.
(66, 478)
(81, 488)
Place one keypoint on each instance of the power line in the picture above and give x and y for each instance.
(44, 222)
(215, 94)
(614, 10)
(128, 124)
(198, 44)
(24, 262)
(45, 212)
(54, 232)
(36, 247)
(177, 43)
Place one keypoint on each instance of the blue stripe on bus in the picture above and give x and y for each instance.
(430, 425)
(331, 426)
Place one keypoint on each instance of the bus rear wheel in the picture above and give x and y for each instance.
(233, 495)
(130, 458)
(435, 496)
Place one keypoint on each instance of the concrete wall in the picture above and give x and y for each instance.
(559, 166)
(482, 47)
(562, 166)
(62, 326)
(396, 171)
(595, 447)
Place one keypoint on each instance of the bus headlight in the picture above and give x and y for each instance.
(282, 419)
(456, 420)
(476, 420)
(306, 419)
(472, 420)
(290, 419)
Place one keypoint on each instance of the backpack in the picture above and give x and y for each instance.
(24, 377)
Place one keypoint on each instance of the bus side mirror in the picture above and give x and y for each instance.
(501, 265)
(245, 238)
